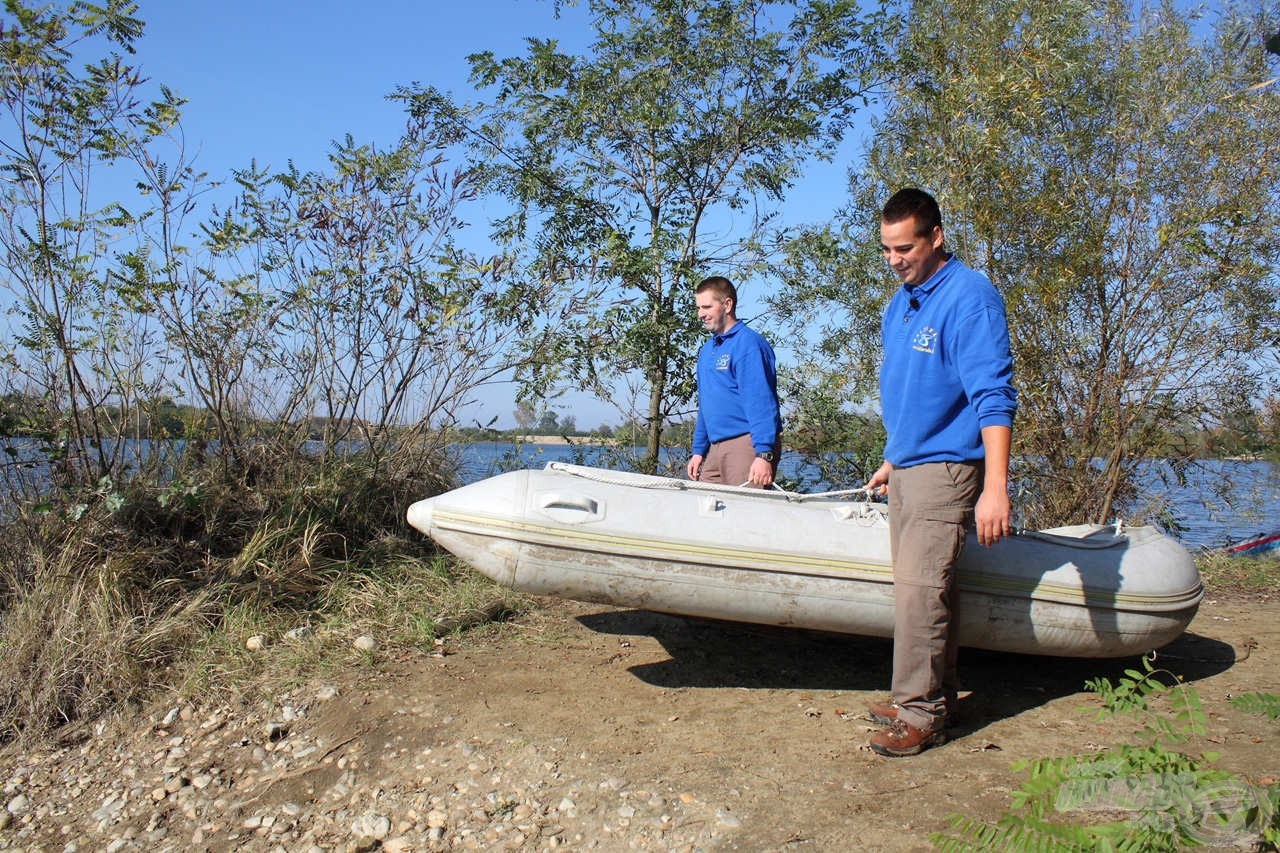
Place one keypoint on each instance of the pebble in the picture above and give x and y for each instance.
(259, 777)
(372, 826)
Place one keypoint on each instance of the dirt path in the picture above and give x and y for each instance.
(768, 724)
(581, 726)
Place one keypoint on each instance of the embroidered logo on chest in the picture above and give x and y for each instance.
(722, 363)
(925, 340)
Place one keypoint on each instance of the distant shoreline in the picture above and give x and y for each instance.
(552, 439)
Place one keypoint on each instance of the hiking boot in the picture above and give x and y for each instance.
(901, 739)
(885, 713)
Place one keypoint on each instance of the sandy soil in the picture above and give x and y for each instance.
(770, 725)
(619, 729)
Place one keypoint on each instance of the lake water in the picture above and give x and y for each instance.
(1252, 488)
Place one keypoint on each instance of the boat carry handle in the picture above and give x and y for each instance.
(570, 507)
(559, 500)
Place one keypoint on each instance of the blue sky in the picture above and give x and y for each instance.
(280, 79)
(275, 80)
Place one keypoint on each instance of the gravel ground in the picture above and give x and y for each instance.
(585, 727)
(235, 778)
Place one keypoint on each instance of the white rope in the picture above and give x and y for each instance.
(799, 496)
(651, 481)
(868, 508)
(1087, 541)
(862, 490)
(619, 478)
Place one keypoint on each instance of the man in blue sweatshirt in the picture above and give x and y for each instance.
(736, 435)
(948, 403)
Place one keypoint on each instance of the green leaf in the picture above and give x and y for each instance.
(1258, 703)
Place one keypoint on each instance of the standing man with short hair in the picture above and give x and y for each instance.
(948, 403)
(736, 438)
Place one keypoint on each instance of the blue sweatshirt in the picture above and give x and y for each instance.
(947, 371)
(737, 391)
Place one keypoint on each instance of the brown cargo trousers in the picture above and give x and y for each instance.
(930, 509)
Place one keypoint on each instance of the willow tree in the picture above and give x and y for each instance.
(337, 306)
(652, 160)
(75, 116)
(1116, 172)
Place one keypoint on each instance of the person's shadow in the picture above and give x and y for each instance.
(708, 653)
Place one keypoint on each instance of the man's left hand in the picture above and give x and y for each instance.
(991, 516)
(761, 473)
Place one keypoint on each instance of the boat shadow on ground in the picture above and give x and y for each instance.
(706, 653)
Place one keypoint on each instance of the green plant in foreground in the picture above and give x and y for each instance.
(1149, 796)
(1259, 703)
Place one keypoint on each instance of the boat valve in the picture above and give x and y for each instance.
(710, 505)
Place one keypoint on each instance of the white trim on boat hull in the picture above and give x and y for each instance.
(821, 564)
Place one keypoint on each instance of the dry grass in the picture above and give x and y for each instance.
(92, 627)
(141, 594)
(1224, 574)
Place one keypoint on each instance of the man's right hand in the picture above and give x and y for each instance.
(879, 482)
(694, 468)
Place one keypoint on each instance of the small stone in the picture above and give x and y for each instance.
(255, 643)
(376, 827)
(299, 633)
(365, 643)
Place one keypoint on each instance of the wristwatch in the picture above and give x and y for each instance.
(767, 456)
